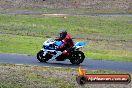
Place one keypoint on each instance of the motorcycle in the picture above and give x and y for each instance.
(49, 50)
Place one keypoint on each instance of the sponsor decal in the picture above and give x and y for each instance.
(84, 78)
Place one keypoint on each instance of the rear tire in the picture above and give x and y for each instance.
(77, 57)
(40, 56)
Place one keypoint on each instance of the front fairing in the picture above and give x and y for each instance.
(79, 45)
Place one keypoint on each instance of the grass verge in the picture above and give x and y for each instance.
(25, 76)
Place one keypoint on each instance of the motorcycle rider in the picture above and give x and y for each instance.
(67, 40)
(67, 43)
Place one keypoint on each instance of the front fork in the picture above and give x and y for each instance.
(45, 52)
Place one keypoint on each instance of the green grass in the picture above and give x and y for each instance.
(73, 10)
(20, 44)
(25, 76)
(60, 82)
(108, 38)
(110, 56)
(44, 25)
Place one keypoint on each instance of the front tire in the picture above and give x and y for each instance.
(40, 56)
(77, 57)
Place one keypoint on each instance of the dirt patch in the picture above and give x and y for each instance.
(69, 6)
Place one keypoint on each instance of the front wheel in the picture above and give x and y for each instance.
(77, 57)
(40, 56)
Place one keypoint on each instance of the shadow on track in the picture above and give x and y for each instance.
(60, 64)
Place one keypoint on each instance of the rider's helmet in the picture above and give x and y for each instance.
(63, 33)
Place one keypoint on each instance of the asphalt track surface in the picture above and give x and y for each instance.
(87, 64)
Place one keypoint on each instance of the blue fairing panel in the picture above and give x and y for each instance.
(80, 44)
(58, 43)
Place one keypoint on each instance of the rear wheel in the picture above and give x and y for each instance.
(77, 57)
(42, 58)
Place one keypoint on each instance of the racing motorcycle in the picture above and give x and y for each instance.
(49, 50)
